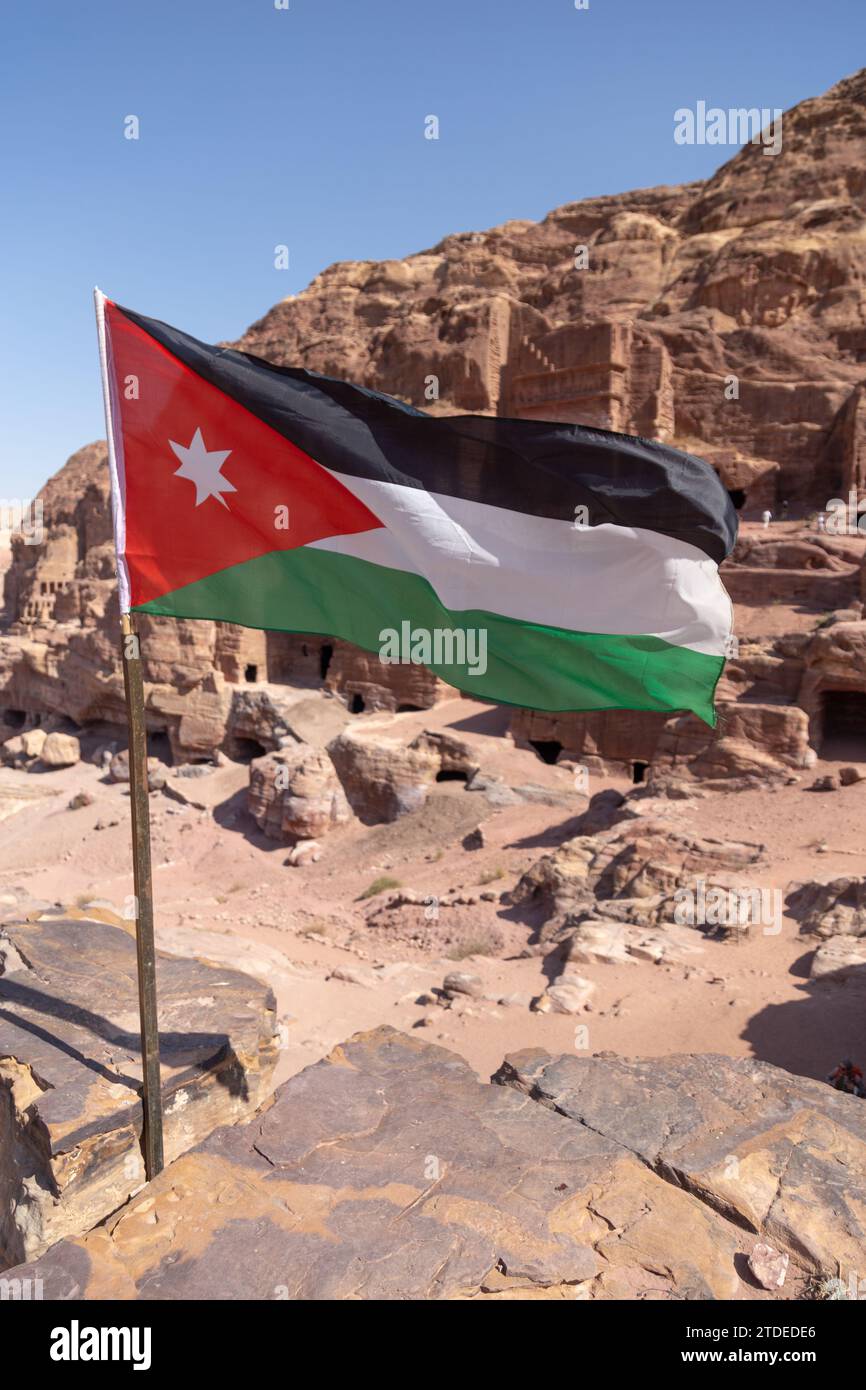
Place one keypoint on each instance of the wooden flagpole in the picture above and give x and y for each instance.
(133, 687)
(143, 886)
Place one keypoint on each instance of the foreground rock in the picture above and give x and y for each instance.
(388, 1171)
(70, 1070)
(777, 1154)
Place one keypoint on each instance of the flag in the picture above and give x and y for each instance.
(547, 565)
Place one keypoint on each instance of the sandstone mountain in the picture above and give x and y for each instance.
(756, 273)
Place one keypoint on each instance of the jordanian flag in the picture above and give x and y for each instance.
(546, 565)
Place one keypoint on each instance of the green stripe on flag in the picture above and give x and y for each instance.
(309, 590)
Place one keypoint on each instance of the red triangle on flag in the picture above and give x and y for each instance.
(206, 483)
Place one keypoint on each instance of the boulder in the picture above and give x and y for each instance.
(118, 770)
(462, 982)
(70, 1070)
(829, 783)
(260, 714)
(383, 777)
(768, 1266)
(570, 994)
(23, 748)
(837, 908)
(304, 852)
(294, 794)
(598, 941)
(60, 750)
(601, 941)
(840, 958)
(643, 859)
(267, 716)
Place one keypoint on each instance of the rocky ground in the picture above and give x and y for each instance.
(387, 1171)
(339, 961)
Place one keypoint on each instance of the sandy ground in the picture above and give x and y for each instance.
(223, 891)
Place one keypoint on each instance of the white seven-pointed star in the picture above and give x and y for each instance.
(203, 469)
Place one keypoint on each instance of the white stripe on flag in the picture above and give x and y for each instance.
(605, 578)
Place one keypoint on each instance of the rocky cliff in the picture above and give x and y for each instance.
(726, 316)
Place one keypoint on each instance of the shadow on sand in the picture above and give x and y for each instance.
(810, 1035)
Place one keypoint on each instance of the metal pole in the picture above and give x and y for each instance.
(143, 884)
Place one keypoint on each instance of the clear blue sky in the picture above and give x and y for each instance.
(305, 127)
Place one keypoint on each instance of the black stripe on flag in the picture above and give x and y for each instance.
(531, 466)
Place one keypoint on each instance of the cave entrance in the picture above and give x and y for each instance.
(738, 497)
(326, 651)
(357, 704)
(15, 718)
(639, 771)
(844, 724)
(159, 746)
(548, 749)
(251, 674)
(245, 749)
(451, 774)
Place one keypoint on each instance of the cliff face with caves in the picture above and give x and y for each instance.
(727, 317)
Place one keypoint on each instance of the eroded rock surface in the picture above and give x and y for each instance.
(837, 908)
(70, 1070)
(777, 1154)
(388, 1171)
(640, 861)
(295, 794)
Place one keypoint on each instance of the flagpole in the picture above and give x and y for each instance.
(133, 686)
(143, 887)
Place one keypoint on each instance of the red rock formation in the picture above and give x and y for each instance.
(754, 274)
(726, 316)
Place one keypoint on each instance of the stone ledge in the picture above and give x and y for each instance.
(70, 1070)
(388, 1171)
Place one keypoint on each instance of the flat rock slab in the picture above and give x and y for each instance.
(70, 1070)
(781, 1155)
(388, 1171)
